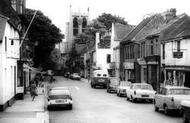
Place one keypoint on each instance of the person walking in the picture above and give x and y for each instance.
(33, 91)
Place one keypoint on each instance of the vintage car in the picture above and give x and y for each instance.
(112, 84)
(186, 111)
(140, 91)
(75, 76)
(59, 98)
(169, 98)
(99, 78)
(122, 88)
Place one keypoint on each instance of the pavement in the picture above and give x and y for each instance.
(26, 110)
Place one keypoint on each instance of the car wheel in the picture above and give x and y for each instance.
(70, 107)
(156, 108)
(48, 108)
(166, 110)
(185, 119)
(133, 100)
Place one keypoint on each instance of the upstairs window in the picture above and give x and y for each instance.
(151, 48)
(178, 46)
(163, 51)
(108, 58)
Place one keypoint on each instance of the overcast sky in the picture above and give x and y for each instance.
(132, 10)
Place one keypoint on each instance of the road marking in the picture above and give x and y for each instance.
(77, 88)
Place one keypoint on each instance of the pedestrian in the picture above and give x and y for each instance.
(33, 91)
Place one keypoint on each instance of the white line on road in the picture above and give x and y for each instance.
(77, 88)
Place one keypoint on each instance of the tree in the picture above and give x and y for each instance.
(108, 19)
(45, 33)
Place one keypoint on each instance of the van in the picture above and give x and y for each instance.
(100, 78)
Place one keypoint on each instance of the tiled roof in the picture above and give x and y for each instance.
(8, 11)
(121, 30)
(2, 26)
(131, 35)
(151, 26)
(179, 29)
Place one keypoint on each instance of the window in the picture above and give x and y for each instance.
(75, 26)
(12, 42)
(5, 43)
(163, 51)
(108, 58)
(178, 46)
(151, 48)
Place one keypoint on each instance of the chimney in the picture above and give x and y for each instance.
(97, 39)
(170, 14)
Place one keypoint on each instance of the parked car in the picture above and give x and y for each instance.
(75, 76)
(112, 84)
(122, 88)
(169, 98)
(140, 91)
(99, 78)
(186, 111)
(59, 98)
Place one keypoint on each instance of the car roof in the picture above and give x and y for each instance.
(140, 84)
(59, 88)
(59, 92)
(175, 87)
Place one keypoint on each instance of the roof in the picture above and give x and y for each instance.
(152, 25)
(2, 26)
(179, 29)
(121, 30)
(8, 11)
(175, 87)
(156, 24)
(133, 32)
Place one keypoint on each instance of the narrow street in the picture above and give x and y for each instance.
(98, 106)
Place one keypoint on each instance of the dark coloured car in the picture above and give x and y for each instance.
(99, 78)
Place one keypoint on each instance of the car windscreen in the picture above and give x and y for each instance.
(179, 92)
(59, 97)
(144, 87)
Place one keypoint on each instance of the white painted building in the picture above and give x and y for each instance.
(102, 54)
(118, 31)
(9, 55)
(175, 50)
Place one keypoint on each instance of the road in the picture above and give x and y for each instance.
(97, 106)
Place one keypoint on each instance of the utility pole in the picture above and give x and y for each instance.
(28, 28)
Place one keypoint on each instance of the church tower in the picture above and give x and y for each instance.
(19, 6)
(77, 24)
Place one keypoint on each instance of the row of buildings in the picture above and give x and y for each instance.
(156, 51)
(15, 59)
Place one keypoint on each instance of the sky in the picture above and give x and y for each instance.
(133, 11)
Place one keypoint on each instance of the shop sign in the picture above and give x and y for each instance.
(128, 65)
(20, 90)
(178, 54)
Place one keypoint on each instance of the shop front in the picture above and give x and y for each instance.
(177, 76)
(129, 71)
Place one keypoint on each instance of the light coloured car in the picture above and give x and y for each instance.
(59, 98)
(60, 88)
(186, 111)
(169, 98)
(123, 87)
(75, 76)
(140, 91)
